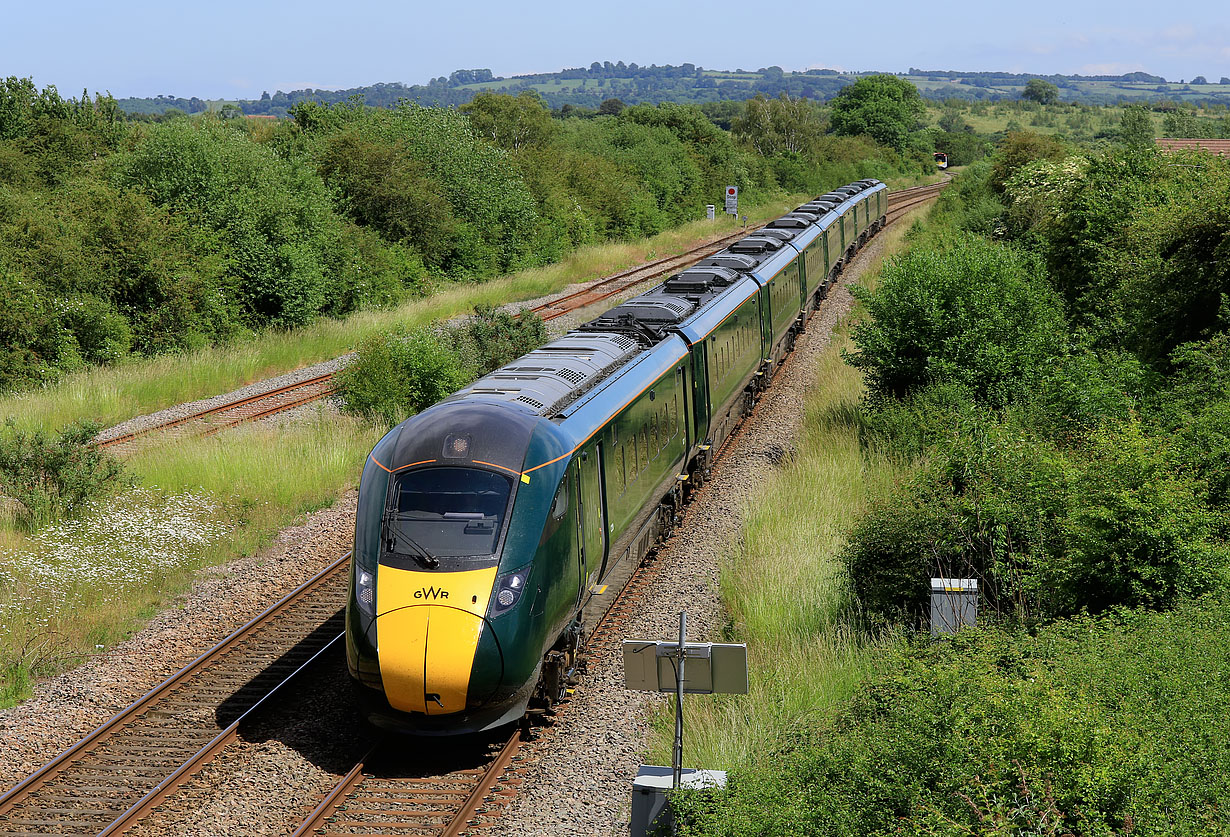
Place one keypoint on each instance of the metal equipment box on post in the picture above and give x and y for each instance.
(954, 605)
(651, 815)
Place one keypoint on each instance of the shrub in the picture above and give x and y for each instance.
(1195, 408)
(36, 347)
(404, 372)
(970, 312)
(52, 476)
(1093, 726)
(1049, 531)
(494, 337)
(985, 504)
(400, 373)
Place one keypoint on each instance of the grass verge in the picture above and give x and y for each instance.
(784, 584)
(72, 590)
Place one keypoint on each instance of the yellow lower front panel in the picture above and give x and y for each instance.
(427, 631)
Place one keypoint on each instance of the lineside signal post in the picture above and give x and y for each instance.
(699, 668)
(732, 200)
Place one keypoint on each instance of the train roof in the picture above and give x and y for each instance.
(552, 376)
(807, 236)
(591, 412)
(710, 316)
(774, 263)
(757, 245)
(727, 259)
(797, 220)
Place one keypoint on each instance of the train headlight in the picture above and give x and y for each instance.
(365, 591)
(508, 590)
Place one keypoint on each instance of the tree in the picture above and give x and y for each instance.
(772, 126)
(883, 107)
(1136, 127)
(1042, 92)
(1200, 80)
(974, 314)
(610, 107)
(1182, 124)
(511, 122)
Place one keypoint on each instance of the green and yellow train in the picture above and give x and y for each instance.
(495, 527)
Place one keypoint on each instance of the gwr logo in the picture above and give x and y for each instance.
(431, 593)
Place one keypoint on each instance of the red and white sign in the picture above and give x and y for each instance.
(732, 200)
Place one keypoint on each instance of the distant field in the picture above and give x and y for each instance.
(1073, 90)
(687, 84)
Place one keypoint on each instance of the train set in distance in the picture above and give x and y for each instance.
(495, 527)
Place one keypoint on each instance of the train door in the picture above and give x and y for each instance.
(593, 513)
(803, 257)
(700, 391)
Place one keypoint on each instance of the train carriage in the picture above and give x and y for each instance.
(495, 526)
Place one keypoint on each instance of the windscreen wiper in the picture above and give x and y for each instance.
(418, 552)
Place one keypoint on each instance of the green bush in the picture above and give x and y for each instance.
(51, 476)
(400, 373)
(1093, 726)
(1194, 408)
(274, 219)
(970, 203)
(36, 346)
(494, 337)
(970, 312)
(1049, 530)
(404, 372)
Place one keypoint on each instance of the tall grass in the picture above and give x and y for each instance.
(113, 394)
(72, 590)
(785, 585)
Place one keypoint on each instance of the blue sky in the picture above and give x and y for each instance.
(233, 49)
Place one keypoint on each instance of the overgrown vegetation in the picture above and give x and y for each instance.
(49, 476)
(1048, 369)
(407, 370)
(123, 239)
(1104, 726)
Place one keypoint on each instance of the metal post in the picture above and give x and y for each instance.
(678, 760)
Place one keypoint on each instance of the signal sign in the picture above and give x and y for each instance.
(732, 200)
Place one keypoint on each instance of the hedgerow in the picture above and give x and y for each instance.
(1088, 726)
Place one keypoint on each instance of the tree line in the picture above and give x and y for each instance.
(121, 238)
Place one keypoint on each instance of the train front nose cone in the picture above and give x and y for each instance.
(427, 650)
(426, 654)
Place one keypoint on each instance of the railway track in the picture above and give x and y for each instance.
(468, 793)
(262, 405)
(112, 777)
(905, 200)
